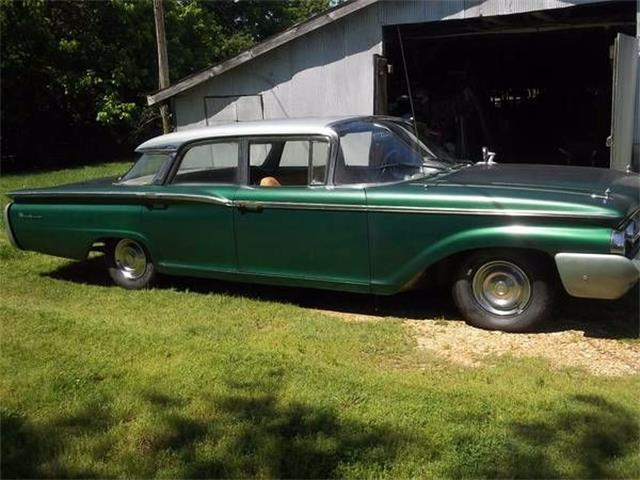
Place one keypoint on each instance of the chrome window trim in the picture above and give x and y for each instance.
(291, 137)
(184, 148)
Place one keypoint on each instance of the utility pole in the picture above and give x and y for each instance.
(163, 60)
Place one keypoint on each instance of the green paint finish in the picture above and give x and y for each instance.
(190, 235)
(367, 238)
(68, 230)
(326, 245)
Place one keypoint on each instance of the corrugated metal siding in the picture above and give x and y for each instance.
(395, 12)
(330, 71)
(327, 72)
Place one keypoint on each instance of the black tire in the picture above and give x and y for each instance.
(130, 264)
(484, 277)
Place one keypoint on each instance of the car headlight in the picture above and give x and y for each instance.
(632, 232)
(618, 242)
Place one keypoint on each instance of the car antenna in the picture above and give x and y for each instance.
(406, 77)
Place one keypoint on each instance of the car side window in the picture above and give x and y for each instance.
(288, 162)
(372, 153)
(215, 162)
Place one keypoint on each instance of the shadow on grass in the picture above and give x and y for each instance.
(26, 447)
(596, 318)
(259, 434)
(254, 431)
(582, 438)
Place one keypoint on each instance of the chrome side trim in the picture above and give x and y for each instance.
(137, 196)
(216, 200)
(589, 275)
(187, 197)
(7, 226)
(434, 210)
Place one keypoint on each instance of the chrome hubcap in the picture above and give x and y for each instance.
(501, 288)
(130, 259)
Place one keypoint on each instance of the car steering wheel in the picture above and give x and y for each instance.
(387, 163)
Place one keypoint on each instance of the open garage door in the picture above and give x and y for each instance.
(534, 87)
(625, 70)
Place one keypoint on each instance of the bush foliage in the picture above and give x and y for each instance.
(75, 73)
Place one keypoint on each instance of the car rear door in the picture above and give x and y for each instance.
(189, 220)
(303, 231)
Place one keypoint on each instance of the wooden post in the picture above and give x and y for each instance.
(163, 60)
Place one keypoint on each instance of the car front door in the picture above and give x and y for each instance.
(189, 220)
(291, 227)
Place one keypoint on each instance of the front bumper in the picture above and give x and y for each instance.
(589, 275)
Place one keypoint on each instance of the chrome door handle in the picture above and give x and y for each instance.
(250, 206)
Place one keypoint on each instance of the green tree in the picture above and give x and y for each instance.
(75, 73)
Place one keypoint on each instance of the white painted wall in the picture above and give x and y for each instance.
(327, 72)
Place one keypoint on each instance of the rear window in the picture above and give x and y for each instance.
(148, 169)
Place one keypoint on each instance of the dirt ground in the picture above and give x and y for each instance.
(468, 346)
(600, 337)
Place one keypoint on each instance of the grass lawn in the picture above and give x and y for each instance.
(201, 379)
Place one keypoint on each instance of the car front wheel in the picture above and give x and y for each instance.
(129, 264)
(510, 292)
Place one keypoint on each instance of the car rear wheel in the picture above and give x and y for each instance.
(129, 264)
(512, 292)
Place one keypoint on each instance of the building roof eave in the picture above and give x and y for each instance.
(268, 45)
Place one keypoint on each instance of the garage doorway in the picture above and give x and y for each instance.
(534, 88)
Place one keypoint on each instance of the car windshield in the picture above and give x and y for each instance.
(147, 169)
(383, 151)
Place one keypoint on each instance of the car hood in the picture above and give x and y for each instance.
(528, 190)
(551, 178)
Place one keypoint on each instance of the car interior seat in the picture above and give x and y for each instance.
(269, 182)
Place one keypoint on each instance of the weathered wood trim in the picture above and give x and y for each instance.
(260, 49)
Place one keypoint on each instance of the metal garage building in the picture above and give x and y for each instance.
(544, 81)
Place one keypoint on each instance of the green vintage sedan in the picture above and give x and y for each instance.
(356, 204)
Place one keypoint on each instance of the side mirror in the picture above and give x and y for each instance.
(488, 156)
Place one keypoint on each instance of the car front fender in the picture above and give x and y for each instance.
(546, 239)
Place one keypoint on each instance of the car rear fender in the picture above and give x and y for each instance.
(70, 230)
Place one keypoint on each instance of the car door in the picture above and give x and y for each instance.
(623, 103)
(291, 226)
(189, 222)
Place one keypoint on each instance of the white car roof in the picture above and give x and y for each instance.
(285, 126)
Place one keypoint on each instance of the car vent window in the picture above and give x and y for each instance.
(209, 163)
